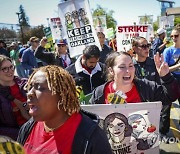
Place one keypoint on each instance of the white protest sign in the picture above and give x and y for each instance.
(77, 24)
(131, 128)
(125, 34)
(56, 28)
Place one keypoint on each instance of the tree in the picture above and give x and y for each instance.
(35, 31)
(99, 11)
(7, 33)
(176, 21)
(23, 19)
(23, 22)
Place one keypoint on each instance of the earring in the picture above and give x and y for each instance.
(59, 105)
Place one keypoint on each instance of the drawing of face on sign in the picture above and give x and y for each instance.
(119, 132)
(83, 18)
(143, 132)
(68, 21)
(75, 16)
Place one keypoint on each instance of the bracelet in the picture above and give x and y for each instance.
(24, 104)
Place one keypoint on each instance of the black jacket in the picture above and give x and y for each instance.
(89, 137)
(149, 91)
(104, 53)
(150, 71)
(49, 57)
(88, 82)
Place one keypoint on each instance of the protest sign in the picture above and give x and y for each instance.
(100, 24)
(48, 34)
(131, 128)
(56, 28)
(77, 25)
(166, 21)
(125, 34)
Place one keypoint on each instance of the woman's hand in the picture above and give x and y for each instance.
(23, 108)
(161, 66)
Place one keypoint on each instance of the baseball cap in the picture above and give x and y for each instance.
(61, 42)
(160, 31)
(13, 44)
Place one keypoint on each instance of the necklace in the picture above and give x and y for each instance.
(48, 129)
(119, 141)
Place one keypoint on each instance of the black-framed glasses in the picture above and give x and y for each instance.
(175, 36)
(6, 69)
(144, 46)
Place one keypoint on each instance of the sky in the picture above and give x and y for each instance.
(125, 11)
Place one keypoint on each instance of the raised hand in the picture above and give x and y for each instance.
(161, 66)
(43, 41)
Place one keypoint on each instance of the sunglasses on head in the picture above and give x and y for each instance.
(6, 69)
(144, 46)
(175, 36)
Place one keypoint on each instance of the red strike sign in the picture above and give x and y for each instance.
(122, 29)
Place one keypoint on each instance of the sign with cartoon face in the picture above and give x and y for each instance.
(77, 25)
(130, 128)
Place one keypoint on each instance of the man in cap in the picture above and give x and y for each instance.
(59, 57)
(158, 44)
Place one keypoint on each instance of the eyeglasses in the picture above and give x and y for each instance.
(144, 46)
(175, 36)
(6, 69)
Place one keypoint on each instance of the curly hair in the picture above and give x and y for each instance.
(60, 82)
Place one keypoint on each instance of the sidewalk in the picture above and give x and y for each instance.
(173, 137)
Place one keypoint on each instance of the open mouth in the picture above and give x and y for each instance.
(126, 78)
(117, 133)
(32, 109)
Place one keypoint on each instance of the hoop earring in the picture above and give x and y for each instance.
(59, 105)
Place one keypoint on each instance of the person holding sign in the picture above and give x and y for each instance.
(60, 57)
(121, 77)
(58, 125)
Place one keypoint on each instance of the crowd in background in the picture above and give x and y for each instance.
(156, 67)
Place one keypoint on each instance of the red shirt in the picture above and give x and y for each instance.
(87, 69)
(57, 141)
(132, 95)
(16, 93)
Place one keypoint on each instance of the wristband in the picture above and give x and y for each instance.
(24, 104)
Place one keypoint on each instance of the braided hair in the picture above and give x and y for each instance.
(60, 82)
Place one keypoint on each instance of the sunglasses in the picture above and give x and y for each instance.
(144, 46)
(35, 41)
(6, 69)
(175, 36)
(61, 45)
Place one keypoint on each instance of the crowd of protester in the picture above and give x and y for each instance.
(39, 86)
